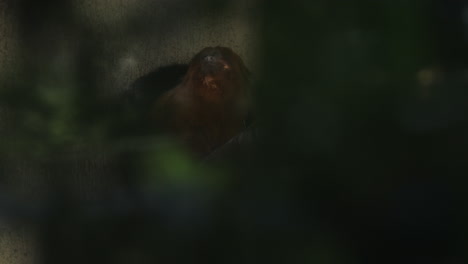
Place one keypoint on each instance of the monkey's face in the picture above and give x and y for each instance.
(219, 72)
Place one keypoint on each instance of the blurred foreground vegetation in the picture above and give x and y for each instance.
(361, 153)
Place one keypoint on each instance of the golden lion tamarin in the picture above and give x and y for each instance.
(210, 105)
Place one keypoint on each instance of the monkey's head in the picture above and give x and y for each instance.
(218, 74)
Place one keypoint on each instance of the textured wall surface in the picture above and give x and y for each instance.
(173, 32)
(168, 32)
(17, 246)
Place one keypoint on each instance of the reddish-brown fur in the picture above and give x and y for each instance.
(210, 105)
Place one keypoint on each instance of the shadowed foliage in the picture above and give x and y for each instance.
(358, 152)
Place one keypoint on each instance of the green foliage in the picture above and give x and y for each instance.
(361, 112)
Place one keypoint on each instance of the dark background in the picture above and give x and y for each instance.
(360, 155)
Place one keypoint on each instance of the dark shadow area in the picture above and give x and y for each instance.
(357, 152)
